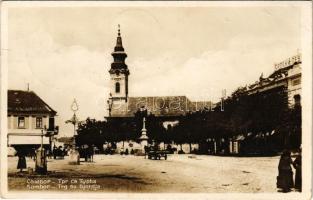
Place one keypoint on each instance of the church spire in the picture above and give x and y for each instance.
(119, 55)
(119, 45)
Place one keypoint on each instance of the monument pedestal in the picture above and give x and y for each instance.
(41, 161)
(144, 143)
(74, 157)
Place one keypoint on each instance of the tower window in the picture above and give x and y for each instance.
(117, 87)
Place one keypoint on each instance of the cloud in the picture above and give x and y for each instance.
(204, 76)
(59, 74)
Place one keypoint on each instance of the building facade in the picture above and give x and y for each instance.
(287, 78)
(287, 74)
(28, 118)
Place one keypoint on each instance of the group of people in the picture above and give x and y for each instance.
(285, 180)
(21, 163)
(87, 152)
(59, 152)
(22, 154)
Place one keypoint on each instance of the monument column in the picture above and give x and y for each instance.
(143, 138)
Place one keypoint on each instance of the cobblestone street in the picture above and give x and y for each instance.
(179, 173)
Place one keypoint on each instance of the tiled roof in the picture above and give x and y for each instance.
(27, 102)
(159, 106)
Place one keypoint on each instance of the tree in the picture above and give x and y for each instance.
(91, 132)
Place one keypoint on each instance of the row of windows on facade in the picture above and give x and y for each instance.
(21, 122)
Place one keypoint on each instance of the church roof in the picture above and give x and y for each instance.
(20, 101)
(168, 106)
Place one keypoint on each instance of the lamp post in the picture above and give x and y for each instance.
(110, 104)
(41, 156)
(73, 153)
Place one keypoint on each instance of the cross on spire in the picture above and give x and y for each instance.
(119, 39)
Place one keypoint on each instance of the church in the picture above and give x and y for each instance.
(121, 105)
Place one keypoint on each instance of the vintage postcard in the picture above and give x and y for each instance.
(172, 99)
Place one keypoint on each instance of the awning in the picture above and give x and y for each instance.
(26, 140)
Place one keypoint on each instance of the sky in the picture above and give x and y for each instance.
(65, 52)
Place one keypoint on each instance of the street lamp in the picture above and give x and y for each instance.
(110, 104)
(74, 120)
(74, 154)
(41, 157)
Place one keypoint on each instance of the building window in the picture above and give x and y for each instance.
(38, 122)
(21, 122)
(296, 82)
(51, 124)
(117, 87)
(297, 99)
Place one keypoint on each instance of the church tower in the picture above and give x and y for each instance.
(119, 72)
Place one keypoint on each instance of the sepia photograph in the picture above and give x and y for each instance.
(101, 99)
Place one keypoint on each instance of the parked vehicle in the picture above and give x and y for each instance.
(155, 153)
(109, 151)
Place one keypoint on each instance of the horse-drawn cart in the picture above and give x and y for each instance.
(155, 153)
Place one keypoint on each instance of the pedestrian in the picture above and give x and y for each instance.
(64, 152)
(54, 152)
(60, 152)
(285, 174)
(298, 178)
(21, 164)
(92, 152)
(32, 153)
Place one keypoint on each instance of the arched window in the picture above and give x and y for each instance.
(297, 99)
(117, 87)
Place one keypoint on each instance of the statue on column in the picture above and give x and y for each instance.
(143, 138)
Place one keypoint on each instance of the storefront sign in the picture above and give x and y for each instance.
(288, 62)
